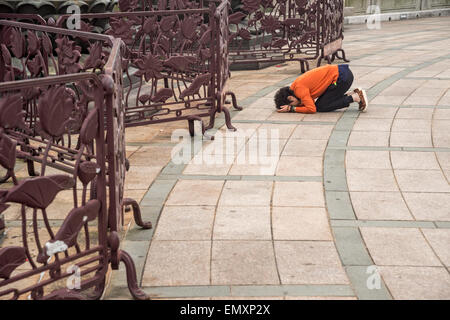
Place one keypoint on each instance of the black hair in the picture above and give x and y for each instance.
(281, 97)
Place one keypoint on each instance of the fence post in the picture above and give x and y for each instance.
(214, 61)
(2, 225)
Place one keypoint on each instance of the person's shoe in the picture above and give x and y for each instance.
(364, 103)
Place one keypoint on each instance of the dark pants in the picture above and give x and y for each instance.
(334, 97)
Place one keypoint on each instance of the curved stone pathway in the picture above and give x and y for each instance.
(356, 206)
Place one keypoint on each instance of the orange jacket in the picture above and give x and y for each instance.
(312, 84)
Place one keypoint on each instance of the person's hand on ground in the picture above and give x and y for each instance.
(285, 108)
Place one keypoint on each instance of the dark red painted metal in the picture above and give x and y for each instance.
(286, 30)
(2, 221)
(176, 61)
(270, 30)
(66, 113)
(332, 31)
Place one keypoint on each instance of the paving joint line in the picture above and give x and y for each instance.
(409, 106)
(330, 123)
(241, 177)
(390, 223)
(376, 148)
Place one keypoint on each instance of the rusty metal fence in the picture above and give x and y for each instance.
(62, 110)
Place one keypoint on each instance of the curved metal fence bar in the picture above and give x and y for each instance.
(61, 108)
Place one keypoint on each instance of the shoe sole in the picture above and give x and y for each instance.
(366, 100)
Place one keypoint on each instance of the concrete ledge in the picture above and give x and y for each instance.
(394, 16)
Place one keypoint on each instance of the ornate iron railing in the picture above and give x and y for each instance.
(271, 30)
(332, 31)
(274, 30)
(175, 61)
(286, 30)
(63, 110)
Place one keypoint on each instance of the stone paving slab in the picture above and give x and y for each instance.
(239, 263)
(380, 206)
(304, 194)
(294, 223)
(185, 223)
(242, 223)
(416, 283)
(399, 246)
(171, 263)
(309, 262)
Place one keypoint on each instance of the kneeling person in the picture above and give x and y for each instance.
(328, 84)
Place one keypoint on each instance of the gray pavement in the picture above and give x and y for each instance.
(343, 205)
